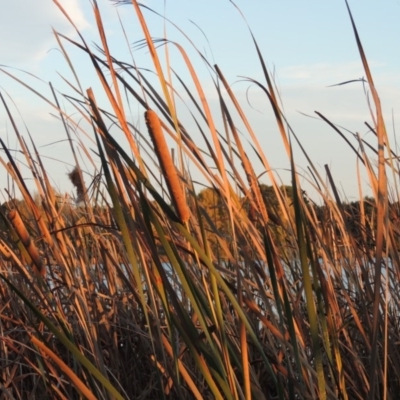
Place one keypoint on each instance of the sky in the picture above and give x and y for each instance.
(308, 44)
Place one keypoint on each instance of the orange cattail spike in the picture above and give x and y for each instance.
(26, 240)
(167, 165)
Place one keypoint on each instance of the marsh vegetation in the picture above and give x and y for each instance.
(268, 294)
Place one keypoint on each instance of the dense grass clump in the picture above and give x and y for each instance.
(149, 287)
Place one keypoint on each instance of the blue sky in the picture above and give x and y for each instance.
(309, 44)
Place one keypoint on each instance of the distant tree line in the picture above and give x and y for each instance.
(357, 218)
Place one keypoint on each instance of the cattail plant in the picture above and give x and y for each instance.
(168, 168)
(76, 179)
(282, 302)
(27, 242)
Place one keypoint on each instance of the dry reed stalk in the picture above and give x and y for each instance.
(26, 240)
(167, 165)
(4, 251)
(76, 179)
(255, 189)
(48, 353)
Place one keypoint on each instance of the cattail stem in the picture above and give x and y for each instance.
(167, 165)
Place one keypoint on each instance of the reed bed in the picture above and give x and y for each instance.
(148, 288)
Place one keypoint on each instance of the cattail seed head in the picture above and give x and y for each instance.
(75, 178)
(27, 242)
(168, 168)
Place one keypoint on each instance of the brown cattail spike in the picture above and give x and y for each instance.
(26, 240)
(76, 179)
(167, 165)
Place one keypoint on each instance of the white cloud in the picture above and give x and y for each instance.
(26, 28)
(74, 10)
(325, 74)
(328, 74)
